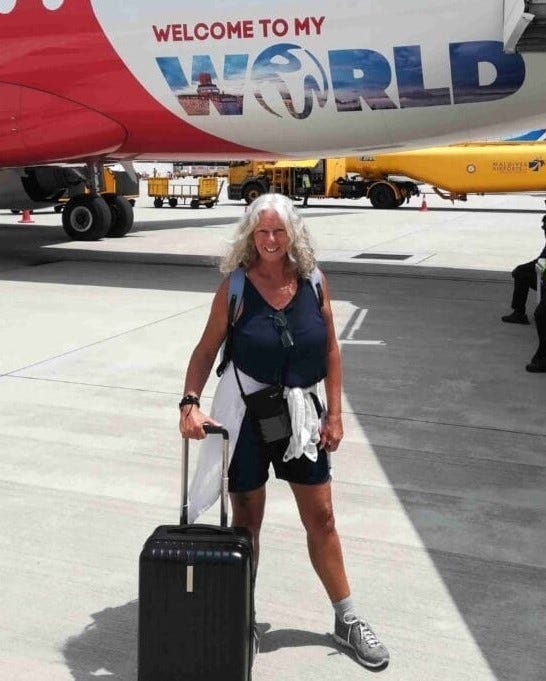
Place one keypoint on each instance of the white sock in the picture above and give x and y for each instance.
(344, 607)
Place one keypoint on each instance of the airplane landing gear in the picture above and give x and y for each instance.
(87, 217)
(122, 215)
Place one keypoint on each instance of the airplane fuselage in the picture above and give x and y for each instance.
(81, 79)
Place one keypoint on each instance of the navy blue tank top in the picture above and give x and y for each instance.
(258, 348)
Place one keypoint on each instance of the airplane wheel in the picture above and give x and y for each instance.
(173, 202)
(158, 202)
(382, 196)
(86, 218)
(122, 215)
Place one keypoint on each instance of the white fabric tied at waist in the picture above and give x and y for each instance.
(229, 409)
(305, 423)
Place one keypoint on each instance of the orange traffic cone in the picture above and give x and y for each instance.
(26, 219)
(424, 206)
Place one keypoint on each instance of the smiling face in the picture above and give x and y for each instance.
(270, 236)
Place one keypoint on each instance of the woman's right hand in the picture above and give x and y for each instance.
(191, 422)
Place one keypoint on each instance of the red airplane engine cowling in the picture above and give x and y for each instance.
(43, 128)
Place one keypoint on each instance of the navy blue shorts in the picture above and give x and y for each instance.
(249, 468)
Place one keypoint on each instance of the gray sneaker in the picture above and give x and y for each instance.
(356, 634)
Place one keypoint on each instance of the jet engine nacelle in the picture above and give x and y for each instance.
(36, 187)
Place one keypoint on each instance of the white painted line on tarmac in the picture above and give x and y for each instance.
(357, 323)
(354, 328)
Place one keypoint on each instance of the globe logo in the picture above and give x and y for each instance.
(289, 78)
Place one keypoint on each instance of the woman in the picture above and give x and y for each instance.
(283, 333)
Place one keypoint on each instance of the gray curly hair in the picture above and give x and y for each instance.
(243, 251)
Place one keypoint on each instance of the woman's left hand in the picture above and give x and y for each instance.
(332, 433)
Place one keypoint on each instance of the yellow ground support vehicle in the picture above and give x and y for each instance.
(204, 191)
(330, 178)
(388, 180)
(457, 170)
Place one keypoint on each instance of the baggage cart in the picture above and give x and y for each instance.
(196, 606)
(203, 191)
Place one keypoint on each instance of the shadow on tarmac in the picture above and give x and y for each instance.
(457, 426)
(290, 638)
(108, 646)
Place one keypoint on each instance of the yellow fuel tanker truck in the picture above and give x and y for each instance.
(457, 170)
(389, 180)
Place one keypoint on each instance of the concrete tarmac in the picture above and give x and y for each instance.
(438, 484)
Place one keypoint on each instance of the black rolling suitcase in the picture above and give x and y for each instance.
(195, 596)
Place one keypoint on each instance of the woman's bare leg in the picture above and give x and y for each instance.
(317, 515)
(248, 511)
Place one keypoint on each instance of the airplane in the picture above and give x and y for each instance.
(91, 81)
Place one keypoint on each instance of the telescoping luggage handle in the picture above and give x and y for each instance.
(210, 430)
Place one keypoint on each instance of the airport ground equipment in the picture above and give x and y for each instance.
(330, 178)
(196, 610)
(457, 170)
(202, 191)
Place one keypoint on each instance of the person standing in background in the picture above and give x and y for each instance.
(525, 278)
(306, 187)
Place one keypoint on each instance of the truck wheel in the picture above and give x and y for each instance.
(382, 195)
(86, 217)
(173, 202)
(122, 215)
(209, 204)
(158, 202)
(251, 192)
(194, 203)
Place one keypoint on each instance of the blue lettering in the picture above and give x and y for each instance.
(411, 87)
(196, 101)
(465, 61)
(357, 75)
(172, 71)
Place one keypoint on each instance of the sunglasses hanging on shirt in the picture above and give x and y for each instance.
(281, 324)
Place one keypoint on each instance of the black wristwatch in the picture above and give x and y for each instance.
(189, 399)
